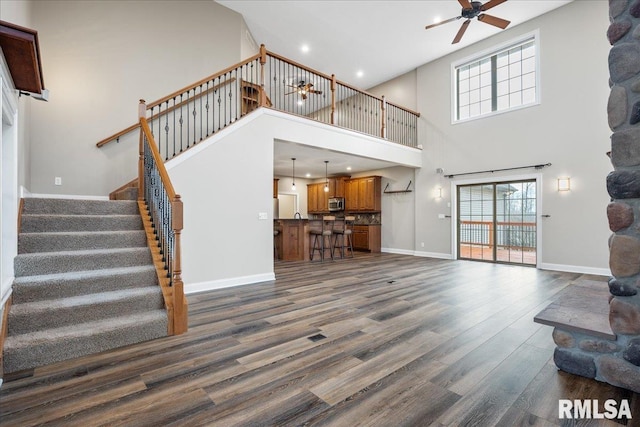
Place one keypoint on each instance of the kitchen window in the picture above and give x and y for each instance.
(502, 79)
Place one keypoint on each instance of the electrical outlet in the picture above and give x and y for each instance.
(441, 216)
(262, 215)
(58, 180)
(422, 244)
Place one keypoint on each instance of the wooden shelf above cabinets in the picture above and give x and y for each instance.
(406, 190)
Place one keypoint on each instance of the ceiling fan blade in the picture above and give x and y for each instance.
(466, 4)
(295, 91)
(461, 31)
(442, 22)
(491, 3)
(317, 92)
(493, 20)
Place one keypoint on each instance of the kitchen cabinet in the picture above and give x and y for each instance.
(318, 199)
(312, 198)
(363, 194)
(367, 238)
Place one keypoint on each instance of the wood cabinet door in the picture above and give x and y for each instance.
(293, 236)
(351, 195)
(361, 237)
(366, 194)
(312, 198)
(323, 198)
(338, 187)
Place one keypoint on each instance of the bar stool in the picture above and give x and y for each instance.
(344, 231)
(276, 231)
(322, 232)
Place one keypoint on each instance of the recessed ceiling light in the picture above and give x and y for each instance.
(304, 48)
(360, 73)
(437, 19)
(308, 175)
(348, 168)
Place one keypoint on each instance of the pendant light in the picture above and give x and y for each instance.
(326, 178)
(293, 174)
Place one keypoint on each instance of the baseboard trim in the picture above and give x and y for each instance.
(192, 288)
(398, 251)
(437, 255)
(576, 269)
(65, 196)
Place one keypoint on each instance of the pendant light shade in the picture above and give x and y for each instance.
(326, 177)
(293, 174)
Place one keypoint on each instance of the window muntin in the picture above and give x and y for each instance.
(501, 80)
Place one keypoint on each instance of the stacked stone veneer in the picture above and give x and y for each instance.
(617, 361)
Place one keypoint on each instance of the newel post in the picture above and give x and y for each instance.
(263, 61)
(179, 304)
(333, 99)
(383, 130)
(142, 112)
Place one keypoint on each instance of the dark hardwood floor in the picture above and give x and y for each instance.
(380, 340)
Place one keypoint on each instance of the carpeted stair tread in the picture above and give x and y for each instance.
(39, 223)
(79, 207)
(29, 317)
(66, 261)
(61, 285)
(79, 240)
(53, 345)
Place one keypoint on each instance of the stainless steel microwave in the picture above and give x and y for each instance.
(336, 204)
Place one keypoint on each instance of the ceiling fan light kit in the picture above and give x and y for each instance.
(474, 9)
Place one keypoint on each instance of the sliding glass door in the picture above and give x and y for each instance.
(497, 222)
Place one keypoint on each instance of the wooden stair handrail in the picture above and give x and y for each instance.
(133, 127)
(178, 311)
(202, 81)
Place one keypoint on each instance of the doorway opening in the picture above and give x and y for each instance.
(497, 222)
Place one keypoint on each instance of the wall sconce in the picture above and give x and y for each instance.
(564, 184)
(293, 174)
(438, 193)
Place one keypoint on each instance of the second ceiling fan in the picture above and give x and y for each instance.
(473, 9)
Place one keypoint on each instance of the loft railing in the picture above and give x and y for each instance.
(164, 209)
(192, 114)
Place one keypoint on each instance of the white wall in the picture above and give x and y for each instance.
(100, 58)
(568, 129)
(401, 91)
(224, 241)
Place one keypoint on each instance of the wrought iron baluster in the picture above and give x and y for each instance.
(181, 121)
(194, 117)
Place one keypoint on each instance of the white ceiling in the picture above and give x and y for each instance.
(381, 38)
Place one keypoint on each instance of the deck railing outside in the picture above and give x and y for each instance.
(520, 235)
(192, 114)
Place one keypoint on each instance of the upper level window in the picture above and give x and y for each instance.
(503, 79)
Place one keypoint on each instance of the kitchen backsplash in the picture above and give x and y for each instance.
(361, 219)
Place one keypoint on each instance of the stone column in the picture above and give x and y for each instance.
(623, 184)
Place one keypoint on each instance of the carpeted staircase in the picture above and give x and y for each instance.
(85, 283)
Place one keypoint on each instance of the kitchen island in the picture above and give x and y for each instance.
(292, 240)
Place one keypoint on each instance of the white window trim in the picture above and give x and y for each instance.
(488, 180)
(477, 56)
